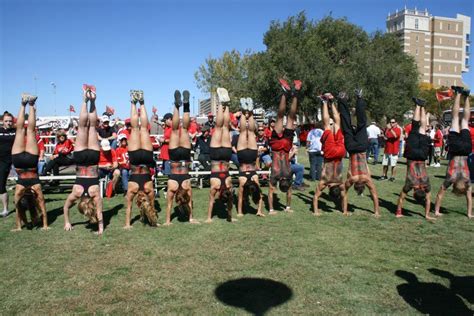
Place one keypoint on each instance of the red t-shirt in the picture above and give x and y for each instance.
(193, 128)
(65, 148)
(107, 157)
(333, 145)
(392, 144)
(283, 141)
(438, 139)
(122, 157)
(164, 153)
(268, 133)
(407, 130)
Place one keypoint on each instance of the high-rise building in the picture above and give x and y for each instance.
(207, 106)
(440, 45)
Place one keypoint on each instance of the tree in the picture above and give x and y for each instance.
(229, 71)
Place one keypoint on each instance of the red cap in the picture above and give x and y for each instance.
(127, 121)
(210, 114)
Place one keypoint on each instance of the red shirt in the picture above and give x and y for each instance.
(107, 158)
(333, 145)
(471, 131)
(122, 157)
(438, 138)
(392, 144)
(283, 141)
(407, 130)
(267, 132)
(65, 148)
(164, 153)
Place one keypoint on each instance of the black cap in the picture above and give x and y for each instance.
(167, 116)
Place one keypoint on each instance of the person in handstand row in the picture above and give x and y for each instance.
(459, 148)
(416, 153)
(333, 152)
(220, 153)
(28, 192)
(281, 142)
(86, 156)
(247, 154)
(357, 142)
(179, 183)
(140, 153)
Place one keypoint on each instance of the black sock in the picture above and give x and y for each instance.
(92, 107)
(186, 108)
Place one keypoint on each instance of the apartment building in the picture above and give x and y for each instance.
(440, 45)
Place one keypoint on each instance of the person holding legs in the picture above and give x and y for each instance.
(247, 153)
(25, 160)
(179, 180)
(220, 153)
(334, 151)
(86, 155)
(281, 143)
(460, 146)
(416, 152)
(357, 142)
(140, 153)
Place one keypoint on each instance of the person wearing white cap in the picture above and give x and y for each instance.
(105, 131)
(123, 161)
(108, 165)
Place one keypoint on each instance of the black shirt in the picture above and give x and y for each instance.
(105, 132)
(7, 137)
(203, 144)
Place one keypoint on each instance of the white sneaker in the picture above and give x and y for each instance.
(433, 165)
(4, 213)
(243, 103)
(223, 95)
(249, 104)
(438, 165)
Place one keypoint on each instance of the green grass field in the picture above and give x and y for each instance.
(284, 264)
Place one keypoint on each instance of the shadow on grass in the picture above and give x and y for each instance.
(461, 285)
(429, 297)
(256, 296)
(53, 214)
(181, 213)
(277, 205)
(392, 207)
(107, 215)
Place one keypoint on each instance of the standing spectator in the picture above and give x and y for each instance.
(431, 133)
(270, 128)
(165, 141)
(313, 145)
(7, 137)
(373, 133)
(392, 147)
(304, 135)
(105, 131)
(62, 155)
(123, 161)
(437, 145)
(210, 122)
(108, 165)
(203, 145)
(41, 151)
(297, 169)
(263, 149)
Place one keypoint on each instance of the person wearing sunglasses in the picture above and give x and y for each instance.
(392, 146)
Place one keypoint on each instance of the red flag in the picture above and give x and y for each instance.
(71, 108)
(109, 110)
(154, 110)
(444, 95)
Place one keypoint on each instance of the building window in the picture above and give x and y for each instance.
(439, 67)
(440, 25)
(457, 27)
(439, 81)
(440, 40)
(456, 55)
(449, 27)
(467, 37)
(456, 42)
(416, 24)
(455, 68)
(467, 62)
(467, 49)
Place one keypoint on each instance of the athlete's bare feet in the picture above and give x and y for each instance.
(377, 215)
(317, 213)
(194, 221)
(470, 216)
(399, 215)
(430, 218)
(272, 212)
(240, 214)
(260, 214)
(167, 224)
(288, 210)
(438, 214)
(346, 214)
(45, 228)
(16, 230)
(209, 220)
(128, 227)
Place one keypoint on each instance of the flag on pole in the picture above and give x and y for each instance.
(154, 109)
(71, 108)
(109, 109)
(444, 95)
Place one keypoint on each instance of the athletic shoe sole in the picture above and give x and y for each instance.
(177, 98)
(186, 96)
(284, 85)
(297, 84)
(249, 104)
(223, 95)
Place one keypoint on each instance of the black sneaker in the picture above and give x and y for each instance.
(186, 95)
(457, 89)
(391, 179)
(465, 92)
(419, 102)
(177, 98)
(383, 178)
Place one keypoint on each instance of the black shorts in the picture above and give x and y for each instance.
(86, 157)
(180, 153)
(141, 157)
(459, 143)
(86, 183)
(417, 146)
(5, 166)
(247, 156)
(25, 160)
(220, 153)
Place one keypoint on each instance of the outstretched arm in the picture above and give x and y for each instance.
(317, 194)
(428, 206)
(469, 202)
(375, 197)
(400, 202)
(439, 199)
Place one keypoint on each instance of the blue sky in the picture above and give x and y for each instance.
(151, 45)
